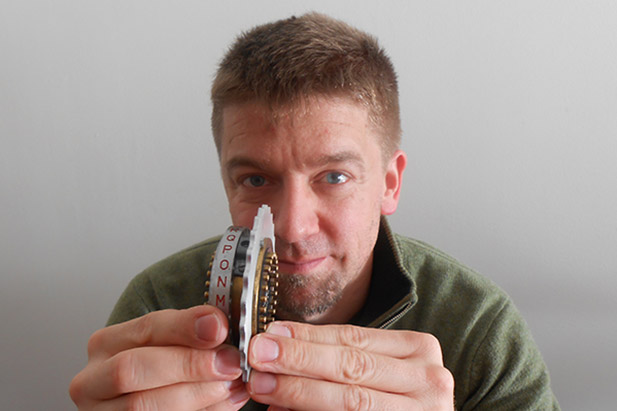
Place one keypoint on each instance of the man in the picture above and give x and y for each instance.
(306, 119)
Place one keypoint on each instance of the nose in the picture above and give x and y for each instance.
(296, 215)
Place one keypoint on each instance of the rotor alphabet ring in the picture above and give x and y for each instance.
(242, 281)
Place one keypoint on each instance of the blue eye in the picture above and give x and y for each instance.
(336, 178)
(255, 181)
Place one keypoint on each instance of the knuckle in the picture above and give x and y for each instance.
(357, 365)
(295, 391)
(441, 380)
(76, 388)
(96, 342)
(357, 398)
(136, 402)
(142, 330)
(410, 338)
(431, 342)
(354, 336)
(428, 344)
(290, 390)
(192, 364)
(298, 355)
(207, 393)
(123, 376)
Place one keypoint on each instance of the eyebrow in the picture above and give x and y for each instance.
(241, 161)
(340, 157)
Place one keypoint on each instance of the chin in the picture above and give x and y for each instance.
(307, 298)
(305, 306)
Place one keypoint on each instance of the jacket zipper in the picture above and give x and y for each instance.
(396, 316)
(394, 247)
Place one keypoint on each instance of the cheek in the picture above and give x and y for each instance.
(353, 220)
(242, 214)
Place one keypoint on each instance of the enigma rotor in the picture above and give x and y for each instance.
(242, 281)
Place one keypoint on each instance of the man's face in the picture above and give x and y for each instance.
(320, 169)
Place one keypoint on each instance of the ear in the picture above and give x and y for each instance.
(394, 179)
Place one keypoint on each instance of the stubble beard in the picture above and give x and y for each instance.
(302, 297)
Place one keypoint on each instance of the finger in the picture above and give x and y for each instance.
(236, 400)
(348, 365)
(183, 396)
(200, 327)
(300, 393)
(152, 367)
(393, 343)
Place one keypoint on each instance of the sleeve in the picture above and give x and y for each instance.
(176, 282)
(507, 371)
(137, 299)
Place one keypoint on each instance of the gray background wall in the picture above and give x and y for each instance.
(106, 163)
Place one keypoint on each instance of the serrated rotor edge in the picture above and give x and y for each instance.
(263, 227)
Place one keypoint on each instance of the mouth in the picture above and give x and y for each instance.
(304, 266)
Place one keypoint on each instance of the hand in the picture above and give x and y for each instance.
(165, 360)
(343, 367)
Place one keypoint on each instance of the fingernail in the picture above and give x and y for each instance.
(262, 383)
(239, 395)
(233, 385)
(227, 361)
(279, 329)
(265, 349)
(207, 327)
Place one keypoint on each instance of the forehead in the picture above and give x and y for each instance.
(304, 131)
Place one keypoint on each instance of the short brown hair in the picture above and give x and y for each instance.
(285, 62)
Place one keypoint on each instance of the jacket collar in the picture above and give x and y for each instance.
(392, 291)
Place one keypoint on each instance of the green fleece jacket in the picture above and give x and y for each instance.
(486, 343)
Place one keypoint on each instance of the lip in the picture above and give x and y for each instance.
(304, 266)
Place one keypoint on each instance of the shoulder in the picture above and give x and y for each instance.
(193, 258)
(486, 343)
(181, 272)
(177, 281)
(452, 300)
(437, 273)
